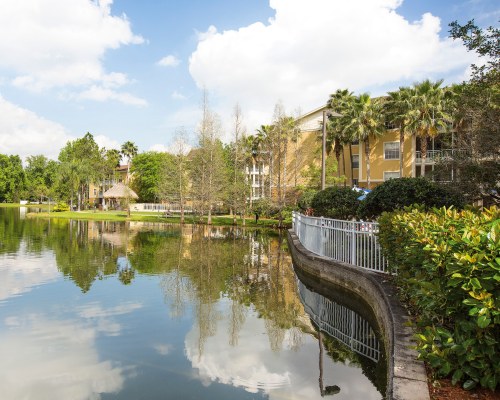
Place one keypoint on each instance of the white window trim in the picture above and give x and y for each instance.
(391, 172)
(392, 159)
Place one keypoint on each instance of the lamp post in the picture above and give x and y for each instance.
(323, 151)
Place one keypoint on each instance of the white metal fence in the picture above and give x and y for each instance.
(352, 242)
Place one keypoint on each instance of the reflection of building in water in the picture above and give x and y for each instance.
(341, 323)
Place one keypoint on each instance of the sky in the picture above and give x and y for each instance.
(135, 70)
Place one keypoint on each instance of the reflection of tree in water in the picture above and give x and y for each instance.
(82, 259)
(199, 264)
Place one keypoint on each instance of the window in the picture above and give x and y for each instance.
(355, 160)
(95, 192)
(390, 175)
(355, 182)
(391, 150)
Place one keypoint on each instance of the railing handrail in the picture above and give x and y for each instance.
(352, 242)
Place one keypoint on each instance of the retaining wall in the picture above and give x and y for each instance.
(406, 379)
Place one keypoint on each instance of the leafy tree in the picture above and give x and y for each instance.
(236, 160)
(41, 176)
(175, 184)
(208, 173)
(81, 163)
(152, 170)
(475, 165)
(365, 120)
(12, 178)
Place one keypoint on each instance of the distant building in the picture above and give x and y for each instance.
(96, 192)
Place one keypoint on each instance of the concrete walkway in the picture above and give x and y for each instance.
(407, 379)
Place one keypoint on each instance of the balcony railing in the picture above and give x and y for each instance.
(435, 155)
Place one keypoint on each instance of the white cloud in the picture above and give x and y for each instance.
(169, 61)
(108, 143)
(100, 93)
(177, 95)
(59, 43)
(25, 133)
(309, 49)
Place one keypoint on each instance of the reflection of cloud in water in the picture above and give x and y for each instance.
(95, 310)
(18, 277)
(163, 349)
(288, 374)
(54, 359)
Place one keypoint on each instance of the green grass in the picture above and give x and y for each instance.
(14, 205)
(217, 220)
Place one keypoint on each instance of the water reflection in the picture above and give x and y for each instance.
(140, 310)
(47, 358)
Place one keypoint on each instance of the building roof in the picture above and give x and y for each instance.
(120, 191)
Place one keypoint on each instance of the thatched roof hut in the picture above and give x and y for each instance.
(120, 191)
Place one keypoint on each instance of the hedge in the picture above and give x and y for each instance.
(448, 270)
(398, 193)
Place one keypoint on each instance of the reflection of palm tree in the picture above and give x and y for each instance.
(329, 390)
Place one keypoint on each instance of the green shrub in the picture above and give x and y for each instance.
(396, 194)
(336, 202)
(448, 265)
(305, 200)
(61, 206)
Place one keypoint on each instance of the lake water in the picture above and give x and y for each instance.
(102, 310)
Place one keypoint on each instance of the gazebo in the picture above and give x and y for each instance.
(117, 192)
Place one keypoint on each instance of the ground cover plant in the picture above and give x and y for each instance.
(448, 272)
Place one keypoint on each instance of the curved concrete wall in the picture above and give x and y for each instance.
(406, 379)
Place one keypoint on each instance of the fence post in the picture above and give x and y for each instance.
(353, 244)
(321, 241)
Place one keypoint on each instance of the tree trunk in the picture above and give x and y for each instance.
(423, 149)
(401, 150)
(343, 167)
(352, 168)
(209, 216)
(367, 160)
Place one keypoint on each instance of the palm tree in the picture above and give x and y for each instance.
(366, 120)
(398, 109)
(129, 150)
(428, 114)
(339, 102)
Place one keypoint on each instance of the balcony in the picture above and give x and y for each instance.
(436, 155)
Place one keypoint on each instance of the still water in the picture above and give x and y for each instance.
(101, 310)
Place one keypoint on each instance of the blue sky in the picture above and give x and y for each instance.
(133, 70)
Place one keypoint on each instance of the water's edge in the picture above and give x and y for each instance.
(406, 379)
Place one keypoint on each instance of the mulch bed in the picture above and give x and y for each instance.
(442, 389)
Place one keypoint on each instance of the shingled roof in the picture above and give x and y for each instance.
(120, 191)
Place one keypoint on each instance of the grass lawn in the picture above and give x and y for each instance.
(217, 220)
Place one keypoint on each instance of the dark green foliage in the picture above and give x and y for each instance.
(336, 202)
(12, 178)
(448, 265)
(305, 200)
(396, 194)
(154, 176)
